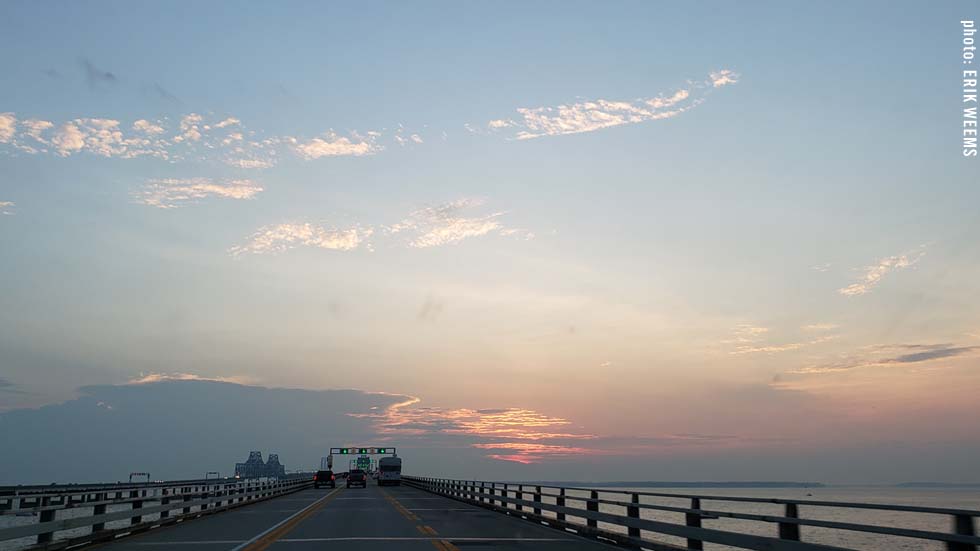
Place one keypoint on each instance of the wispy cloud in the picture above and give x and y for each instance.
(332, 145)
(889, 356)
(589, 116)
(521, 435)
(8, 127)
(873, 274)
(403, 138)
(746, 333)
(749, 339)
(150, 378)
(723, 77)
(431, 308)
(429, 227)
(7, 207)
(446, 224)
(194, 137)
(95, 75)
(282, 237)
(164, 94)
(514, 434)
(820, 327)
(169, 193)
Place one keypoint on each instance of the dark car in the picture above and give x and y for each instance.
(357, 477)
(324, 478)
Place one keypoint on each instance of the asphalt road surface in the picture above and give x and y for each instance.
(393, 518)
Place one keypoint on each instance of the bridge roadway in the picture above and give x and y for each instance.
(392, 518)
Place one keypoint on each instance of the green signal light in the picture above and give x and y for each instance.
(381, 450)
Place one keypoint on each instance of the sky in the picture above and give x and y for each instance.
(727, 240)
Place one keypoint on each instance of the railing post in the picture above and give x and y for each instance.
(520, 495)
(962, 526)
(166, 512)
(505, 493)
(493, 492)
(790, 530)
(537, 499)
(592, 505)
(694, 521)
(137, 505)
(46, 516)
(632, 511)
(560, 501)
(99, 510)
(483, 492)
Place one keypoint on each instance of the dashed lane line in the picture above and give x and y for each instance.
(268, 537)
(422, 538)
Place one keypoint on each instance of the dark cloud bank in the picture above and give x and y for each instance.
(177, 429)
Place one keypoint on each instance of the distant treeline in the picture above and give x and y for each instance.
(687, 484)
(939, 485)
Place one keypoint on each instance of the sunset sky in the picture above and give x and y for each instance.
(578, 233)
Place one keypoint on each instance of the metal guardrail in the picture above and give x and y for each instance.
(553, 505)
(101, 512)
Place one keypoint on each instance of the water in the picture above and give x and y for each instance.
(957, 498)
(965, 498)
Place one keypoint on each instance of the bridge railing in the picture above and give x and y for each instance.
(631, 518)
(59, 516)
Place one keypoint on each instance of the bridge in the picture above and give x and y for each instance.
(448, 515)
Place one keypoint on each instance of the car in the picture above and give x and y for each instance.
(357, 477)
(324, 478)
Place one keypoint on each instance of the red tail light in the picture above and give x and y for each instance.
(332, 477)
(314, 476)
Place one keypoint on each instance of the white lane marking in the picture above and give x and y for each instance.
(266, 511)
(395, 538)
(169, 543)
(283, 521)
(460, 509)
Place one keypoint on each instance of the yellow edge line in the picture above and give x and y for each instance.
(440, 545)
(286, 528)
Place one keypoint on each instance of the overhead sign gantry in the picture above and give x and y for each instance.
(362, 453)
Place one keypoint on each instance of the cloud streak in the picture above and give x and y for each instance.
(434, 226)
(7, 207)
(447, 224)
(873, 274)
(332, 145)
(194, 137)
(167, 193)
(890, 356)
(749, 339)
(95, 75)
(282, 237)
(512, 434)
(590, 116)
